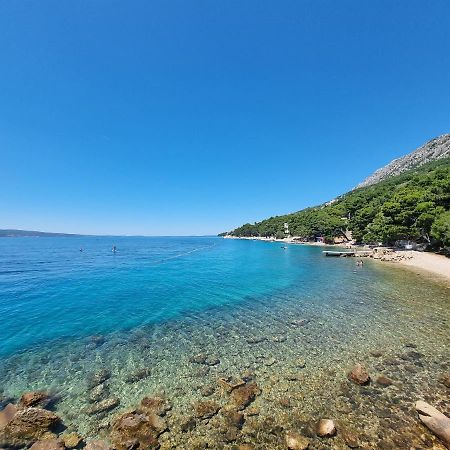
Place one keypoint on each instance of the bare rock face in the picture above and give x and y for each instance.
(435, 149)
(295, 441)
(34, 399)
(27, 426)
(48, 444)
(359, 375)
(244, 395)
(134, 430)
(326, 428)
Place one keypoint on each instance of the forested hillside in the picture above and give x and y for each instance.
(412, 206)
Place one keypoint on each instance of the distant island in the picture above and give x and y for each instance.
(406, 202)
(27, 233)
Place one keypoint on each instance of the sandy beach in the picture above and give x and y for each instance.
(430, 262)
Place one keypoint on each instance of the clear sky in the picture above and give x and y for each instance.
(193, 117)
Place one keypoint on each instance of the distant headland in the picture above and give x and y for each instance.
(28, 233)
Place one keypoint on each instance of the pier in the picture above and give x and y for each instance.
(344, 254)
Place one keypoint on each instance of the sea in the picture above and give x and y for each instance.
(175, 316)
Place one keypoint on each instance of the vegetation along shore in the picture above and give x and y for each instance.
(407, 205)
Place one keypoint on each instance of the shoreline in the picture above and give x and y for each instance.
(430, 263)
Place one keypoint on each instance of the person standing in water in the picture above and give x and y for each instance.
(114, 249)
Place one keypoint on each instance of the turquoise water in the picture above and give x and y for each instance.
(296, 319)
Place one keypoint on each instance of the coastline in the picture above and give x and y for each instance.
(431, 263)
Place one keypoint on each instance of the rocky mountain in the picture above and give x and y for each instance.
(437, 148)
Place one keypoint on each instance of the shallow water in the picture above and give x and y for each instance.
(296, 320)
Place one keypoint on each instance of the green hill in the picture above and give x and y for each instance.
(413, 206)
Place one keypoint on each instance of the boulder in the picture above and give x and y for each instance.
(7, 414)
(27, 426)
(435, 421)
(103, 406)
(325, 428)
(359, 375)
(295, 441)
(48, 444)
(71, 440)
(244, 395)
(207, 409)
(34, 399)
(134, 430)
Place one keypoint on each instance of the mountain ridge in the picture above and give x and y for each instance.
(436, 148)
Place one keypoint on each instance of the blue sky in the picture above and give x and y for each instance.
(193, 117)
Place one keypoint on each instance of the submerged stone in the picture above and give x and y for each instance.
(34, 399)
(198, 359)
(103, 406)
(98, 393)
(48, 444)
(326, 428)
(71, 440)
(359, 375)
(207, 409)
(96, 445)
(138, 375)
(133, 430)
(383, 381)
(295, 441)
(445, 379)
(244, 395)
(98, 377)
(350, 437)
(27, 426)
(234, 418)
(188, 424)
(155, 405)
